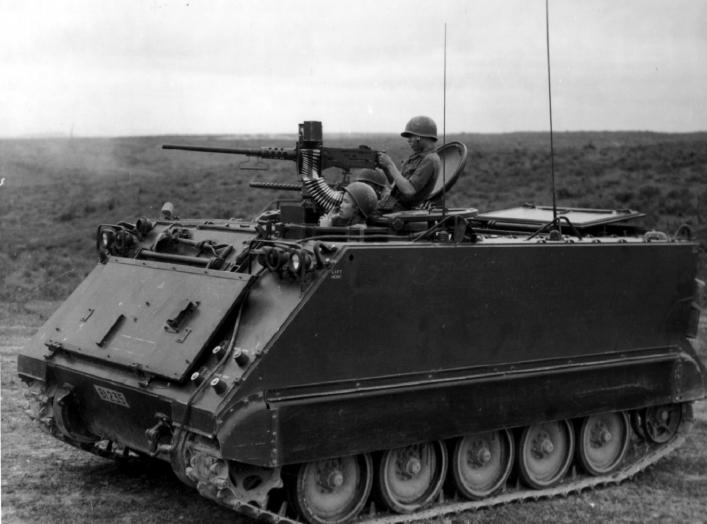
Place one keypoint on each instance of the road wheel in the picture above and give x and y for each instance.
(333, 491)
(481, 463)
(602, 442)
(545, 453)
(411, 477)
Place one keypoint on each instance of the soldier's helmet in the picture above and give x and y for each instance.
(364, 196)
(372, 177)
(422, 126)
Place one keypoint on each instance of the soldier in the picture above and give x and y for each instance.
(374, 178)
(359, 202)
(412, 185)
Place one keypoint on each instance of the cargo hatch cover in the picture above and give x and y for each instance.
(580, 218)
(151, 316)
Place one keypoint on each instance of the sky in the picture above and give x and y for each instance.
(144, 67)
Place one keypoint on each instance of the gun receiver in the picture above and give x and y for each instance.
(310, 141)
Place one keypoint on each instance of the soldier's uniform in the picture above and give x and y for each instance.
(421, 170)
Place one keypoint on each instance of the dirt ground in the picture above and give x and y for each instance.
(46, 481)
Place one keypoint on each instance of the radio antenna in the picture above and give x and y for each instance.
(549, 95)
(444, 124)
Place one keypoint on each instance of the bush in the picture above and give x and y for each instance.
(67, 215)
(624, 197)
(647, 192)
(564, 192)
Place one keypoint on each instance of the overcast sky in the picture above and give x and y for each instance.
(131, 67)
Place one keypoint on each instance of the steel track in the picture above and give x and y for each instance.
(643, 456)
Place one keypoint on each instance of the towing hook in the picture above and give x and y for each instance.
(160, 431)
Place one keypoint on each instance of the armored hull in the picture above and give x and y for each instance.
(273, 362)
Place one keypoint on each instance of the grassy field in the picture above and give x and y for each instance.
(56, 191)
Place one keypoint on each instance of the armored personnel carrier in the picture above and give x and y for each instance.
(401, 371)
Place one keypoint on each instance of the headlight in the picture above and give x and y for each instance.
(295, 262)
(275, 259)
(286, 261)
(105, 240)
(300, 262)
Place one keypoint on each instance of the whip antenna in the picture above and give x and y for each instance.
(444, 90)
(549, 95)
(444, 123)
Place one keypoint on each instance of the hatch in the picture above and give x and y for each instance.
(147, 315)
(581, 218)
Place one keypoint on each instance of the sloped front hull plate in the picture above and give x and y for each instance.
(149, 315)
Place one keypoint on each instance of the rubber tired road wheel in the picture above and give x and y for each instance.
(333, 491)
(481, 463)
(602, 442)
(545, 453)
(411, 477)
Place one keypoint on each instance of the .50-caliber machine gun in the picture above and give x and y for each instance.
(311, 157)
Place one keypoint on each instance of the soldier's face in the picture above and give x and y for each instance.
(415, 143)
(347, 209)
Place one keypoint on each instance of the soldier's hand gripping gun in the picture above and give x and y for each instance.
(312, 158)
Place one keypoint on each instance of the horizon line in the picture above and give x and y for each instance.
(52, 135)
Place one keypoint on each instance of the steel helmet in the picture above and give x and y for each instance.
(372, 177)
(422, 126)
(364, 196)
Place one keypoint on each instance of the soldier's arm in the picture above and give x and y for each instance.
(419, 178)
(407, 190)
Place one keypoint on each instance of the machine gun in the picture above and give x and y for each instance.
(312, 158)
(309, 153)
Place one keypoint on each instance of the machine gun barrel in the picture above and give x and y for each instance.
(309, 152)
(277, 153)
(342, 157)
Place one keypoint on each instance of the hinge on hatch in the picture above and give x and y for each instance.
(52, 347)
(144, 378)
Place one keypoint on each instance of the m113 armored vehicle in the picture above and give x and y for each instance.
(401, 371)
